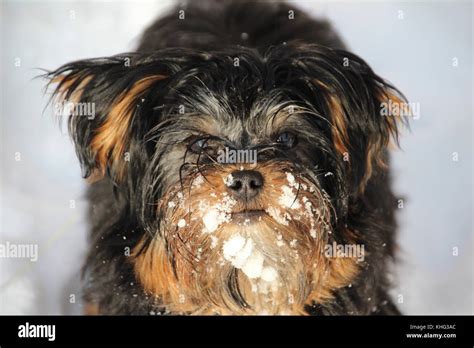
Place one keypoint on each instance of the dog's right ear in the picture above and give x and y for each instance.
(102, 99)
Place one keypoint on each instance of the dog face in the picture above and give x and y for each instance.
(240, 168)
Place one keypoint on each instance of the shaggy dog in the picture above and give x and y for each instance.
(237, 164)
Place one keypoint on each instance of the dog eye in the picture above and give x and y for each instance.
(198, 145)
(287, 139)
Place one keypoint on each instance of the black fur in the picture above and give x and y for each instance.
(278, 61)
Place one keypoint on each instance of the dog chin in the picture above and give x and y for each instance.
(230, 258)
(270, 263)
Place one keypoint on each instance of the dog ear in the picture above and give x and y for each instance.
(114, 93)
(354, 98)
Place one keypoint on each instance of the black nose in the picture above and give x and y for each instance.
(245, 184)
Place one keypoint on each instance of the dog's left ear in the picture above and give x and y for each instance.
(358, 104)
(102, 99)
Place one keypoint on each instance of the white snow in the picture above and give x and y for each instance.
(228, 180)
(181, 223)
(198, 181)
(18, 294)
(276, 214)
(233, 246)
(217, 214)
(210, 220)
(213, 242)
(291, 179)
(269, 274)
(254, 265)
(287, 199)
(243, 255)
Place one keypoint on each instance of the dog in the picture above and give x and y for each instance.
(238, 165)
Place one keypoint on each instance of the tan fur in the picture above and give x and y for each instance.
(376, 146)
(187, 270)
(65, 82)
(111, 139)
(339, 131)
(91, 309)
(374, 156)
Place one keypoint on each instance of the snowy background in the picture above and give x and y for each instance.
(413, 44)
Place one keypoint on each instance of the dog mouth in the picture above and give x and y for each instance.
(247, 215)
